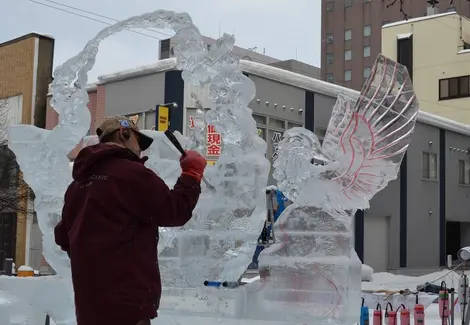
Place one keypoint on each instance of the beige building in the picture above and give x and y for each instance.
(437, 48)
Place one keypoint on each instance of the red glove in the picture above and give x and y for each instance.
(193, 164)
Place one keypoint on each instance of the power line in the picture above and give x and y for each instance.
(93, 19)
(101, 16)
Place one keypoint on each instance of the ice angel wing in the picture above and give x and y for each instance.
(370, 138)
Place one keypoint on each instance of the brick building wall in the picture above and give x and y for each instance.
(26, 70)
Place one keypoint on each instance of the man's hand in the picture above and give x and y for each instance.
(193, 164)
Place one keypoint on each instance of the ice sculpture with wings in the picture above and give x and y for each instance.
(361, 153)
(363, 147)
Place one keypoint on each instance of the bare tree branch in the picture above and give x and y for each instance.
(391, 3)
(14, 192)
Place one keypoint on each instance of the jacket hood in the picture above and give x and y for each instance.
(88, 157)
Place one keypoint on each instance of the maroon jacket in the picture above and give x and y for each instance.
(109, 228)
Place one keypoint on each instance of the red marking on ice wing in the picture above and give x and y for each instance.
(349, 142)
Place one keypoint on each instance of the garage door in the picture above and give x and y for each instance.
(377, 242)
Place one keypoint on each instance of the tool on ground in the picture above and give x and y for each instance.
(179, 147)
(364, 314)
(444, 303)
(404, 315)
(418, 313)
(390, 315)
(377, 318)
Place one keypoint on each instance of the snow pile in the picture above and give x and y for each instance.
(392, 282)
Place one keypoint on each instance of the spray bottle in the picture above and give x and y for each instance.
(390, 315)
(404, 315)
(377, 319)
(364, 314)
(444, 303)
(463, 295)
(418, 313)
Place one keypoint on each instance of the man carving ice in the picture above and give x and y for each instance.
(110, 221)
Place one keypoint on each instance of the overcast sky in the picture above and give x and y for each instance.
(284, 28)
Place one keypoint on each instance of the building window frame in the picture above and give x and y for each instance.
(366, 51)
(429, 166)
(330, 77)
(330, 58)
(347, 3)
(330, 6)
(367, 30)
(347, 34)
(366, 72)
(330, 38)
(347, 55)
(464, 172)
(455, 87)
(320, 132)
(347, 75)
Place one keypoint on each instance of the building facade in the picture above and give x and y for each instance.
(26, 71)
(351, 33)
(407, 222)
(441, 74)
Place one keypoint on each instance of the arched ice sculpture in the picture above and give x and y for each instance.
(218, 243)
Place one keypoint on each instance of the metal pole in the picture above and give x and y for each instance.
(9, 266)
(452, 298)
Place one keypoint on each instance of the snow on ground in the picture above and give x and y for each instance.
(382, 281)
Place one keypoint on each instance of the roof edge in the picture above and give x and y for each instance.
(25, 37)
(286, 77)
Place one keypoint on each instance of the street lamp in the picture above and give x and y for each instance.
(162, 120)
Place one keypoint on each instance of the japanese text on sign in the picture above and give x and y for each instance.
(277, 136)
(213, 141)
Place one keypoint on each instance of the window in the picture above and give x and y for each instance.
(464, 172)
(367, 30)
(277, 123)
(291, 125)
(466, 46)
(366, 72)
(457, 87)
(330, 77)
(367, 51)
(451, 9)
(347, 34)
(259, 119)
(262, 133)
(329, 38)
(386, 22)
(320, 133)
(330, 6)
(429, 166)
(347, 3)
(330, 58)
(347, 75)
(365, 1)
(347, 55)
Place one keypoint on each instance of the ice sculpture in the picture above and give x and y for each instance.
(314, 264)
(227, 221)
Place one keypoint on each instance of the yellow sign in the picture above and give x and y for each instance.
(211, 162)
(163, 118)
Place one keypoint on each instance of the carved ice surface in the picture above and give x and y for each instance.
(362, 151)
(219, 242)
